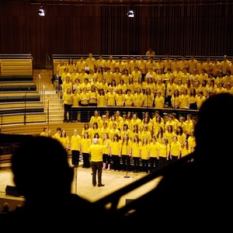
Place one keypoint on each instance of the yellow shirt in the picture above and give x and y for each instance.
(85, 144)
(154, 149)
(115, 147)
(68, 98)
(75, 142)
(185, 151)
(164, 150)
(106, 143)
(159, 102)
(125, 148)
(144, 152)
(135, 148)
(175, 149)
(76, 99)
(96, 152)
(111, 101)
(65, 142)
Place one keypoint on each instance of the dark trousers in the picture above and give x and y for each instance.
(136, 164)
(74, 115)
(115, 162)
(126, 162)
(153, 163)
(84, 114)
(162, 161)
(86, 160)
(75, 157)
(144, 165)
(175, 157)
(168, 100)
(67, 111)
(106, 158)
(97, 168)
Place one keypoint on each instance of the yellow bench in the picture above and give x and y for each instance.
(19, 118)
(16, 66)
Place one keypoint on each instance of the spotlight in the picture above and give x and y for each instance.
(130, 14)
(41, 11)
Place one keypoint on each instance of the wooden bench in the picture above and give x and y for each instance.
(18, 86)
(16, 78)
(16, 66)
(19, 97)
(21, 118)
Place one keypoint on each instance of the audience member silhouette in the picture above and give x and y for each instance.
(194, 195)
(42, 174)
(5, 209)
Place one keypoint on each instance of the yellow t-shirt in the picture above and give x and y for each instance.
(125, 148)
(115, 147)
(164, 150)
(144, 152)
(135, 148)
(75, 142)
(85, 144)
(175, 149)
(154, 149)
(96, 152)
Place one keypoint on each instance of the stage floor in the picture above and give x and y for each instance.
(82, 185)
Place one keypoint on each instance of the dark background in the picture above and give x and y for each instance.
(201, 28)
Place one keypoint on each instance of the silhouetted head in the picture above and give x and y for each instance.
(40, 168)
(214, 129)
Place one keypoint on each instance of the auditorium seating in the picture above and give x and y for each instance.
(17, 86)
(16, 78)
(16, 64)
(20, 101)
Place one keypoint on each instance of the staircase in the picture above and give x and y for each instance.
(53, 107)
(52, 101)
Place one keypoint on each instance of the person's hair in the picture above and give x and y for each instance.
(160, 133)
(96, 135)
(144, 141)
(125, 126)
(136, 139)
(106, 136)
(86, 126)
(86, 135)
(95, 124)
(125, 140)
(63, 134)
(179, 130)
(187, 144)
(170, 128)
(115, 137)
(135, 129)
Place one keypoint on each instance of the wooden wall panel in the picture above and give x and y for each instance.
(176, 30)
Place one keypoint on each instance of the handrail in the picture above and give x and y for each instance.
(43, 94)
(48, 112)
(113, 198)
(39, 83)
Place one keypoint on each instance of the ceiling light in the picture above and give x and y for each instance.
(130, 14)
(41, 11)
